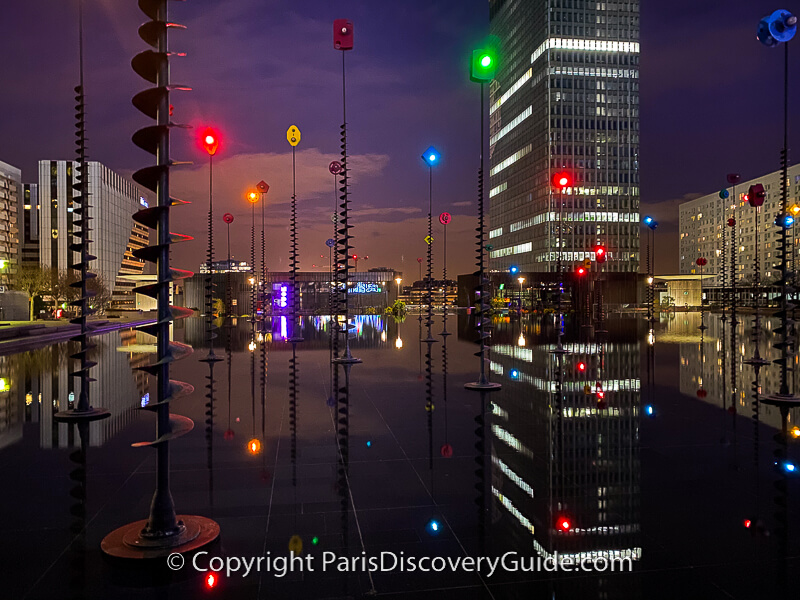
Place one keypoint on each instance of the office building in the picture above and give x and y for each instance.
(114, 233)
(565, 99)
(10, 188)
(28, 214)
(704, 230)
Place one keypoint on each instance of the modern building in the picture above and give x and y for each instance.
(565, 99)
(10, 188)
(114, 234)
(704, 230)
(29, 224)
(226, 266)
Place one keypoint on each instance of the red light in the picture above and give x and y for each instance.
(601, 394)
(211, 581)
(561, 180)
(564, 524)
(581, 271)
(746, 198)
(209, 139)
(747, 523)
(600, 253)
(581, 366)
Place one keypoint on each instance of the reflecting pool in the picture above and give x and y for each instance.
(643, 457)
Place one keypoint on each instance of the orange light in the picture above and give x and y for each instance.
(211, 580)
(795, 431)
(252, 197)
(254, 446)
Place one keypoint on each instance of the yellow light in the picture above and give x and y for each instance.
(521, 280)
(383, 336)
(650, 281)
(796, 431)
(252, 280)
(252, 197)
(251, 346)
(795, 209)
(254, 446)
(4, 387)
(260, 337)
(521, 340)
(398, 280)
(398, 343)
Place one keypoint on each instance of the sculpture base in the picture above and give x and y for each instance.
(477, 386)
(95, 413)
(127, 542)
(782, 400)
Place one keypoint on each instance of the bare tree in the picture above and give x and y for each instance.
(60, 285)
(99, 294)
(34, 280)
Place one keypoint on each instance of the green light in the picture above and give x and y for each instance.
(315, 540)
(2, 264)
(486, 60)
(4, 385)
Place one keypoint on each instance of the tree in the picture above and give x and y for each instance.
(99, 294)
(60, 288)
(34, 280)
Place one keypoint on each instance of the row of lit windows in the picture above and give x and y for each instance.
(590, 45)
(518, 249)
(511, 159)
(517, 120)
(510, 92)
(496, 190)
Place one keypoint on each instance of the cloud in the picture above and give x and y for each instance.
(235, 175)
(370, 211)
(465, 203)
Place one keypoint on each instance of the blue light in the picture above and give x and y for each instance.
(648, 220)
(433, 526)
(431, 156)
(789, 467)
(649, 410)
(514, 269)
(788, 221)
(369, 443)
(514, 374)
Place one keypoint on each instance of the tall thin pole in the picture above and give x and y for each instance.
(784, 387)
(429, 240)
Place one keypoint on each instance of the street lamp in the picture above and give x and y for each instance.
(519, 304)
(561, 181)
(398, 281)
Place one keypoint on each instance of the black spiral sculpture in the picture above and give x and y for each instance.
(81, 232)
(164, 532)
(483, 322)
(77, 549)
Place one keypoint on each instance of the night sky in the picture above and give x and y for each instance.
(711, 103)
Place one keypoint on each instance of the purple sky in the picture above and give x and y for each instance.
(710, 104)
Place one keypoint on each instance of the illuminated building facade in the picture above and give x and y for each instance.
(565, 99)
(702, 221)
(565, 466)
(29, 224)
(10, 189)
(114, 233)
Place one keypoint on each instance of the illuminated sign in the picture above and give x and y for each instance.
(143, 202)
(145, 400)
(366, 288)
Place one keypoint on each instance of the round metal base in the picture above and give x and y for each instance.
(702, 327)
(782, 401)
(128, 543)
(346, 361)
(429, 340)
(445, 333)
(211, 358)
(294, 340)
(95, 413)
(756, 361)
(482, 387)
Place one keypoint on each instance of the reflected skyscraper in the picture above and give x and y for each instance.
(565, 446)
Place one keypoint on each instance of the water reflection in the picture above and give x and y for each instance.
(37, 385)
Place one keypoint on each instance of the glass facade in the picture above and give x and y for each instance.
(565, 98)
(10, 191)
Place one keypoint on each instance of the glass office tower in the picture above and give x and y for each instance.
(565, 99)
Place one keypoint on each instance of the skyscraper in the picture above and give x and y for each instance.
(565, 99)
(114, 233)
